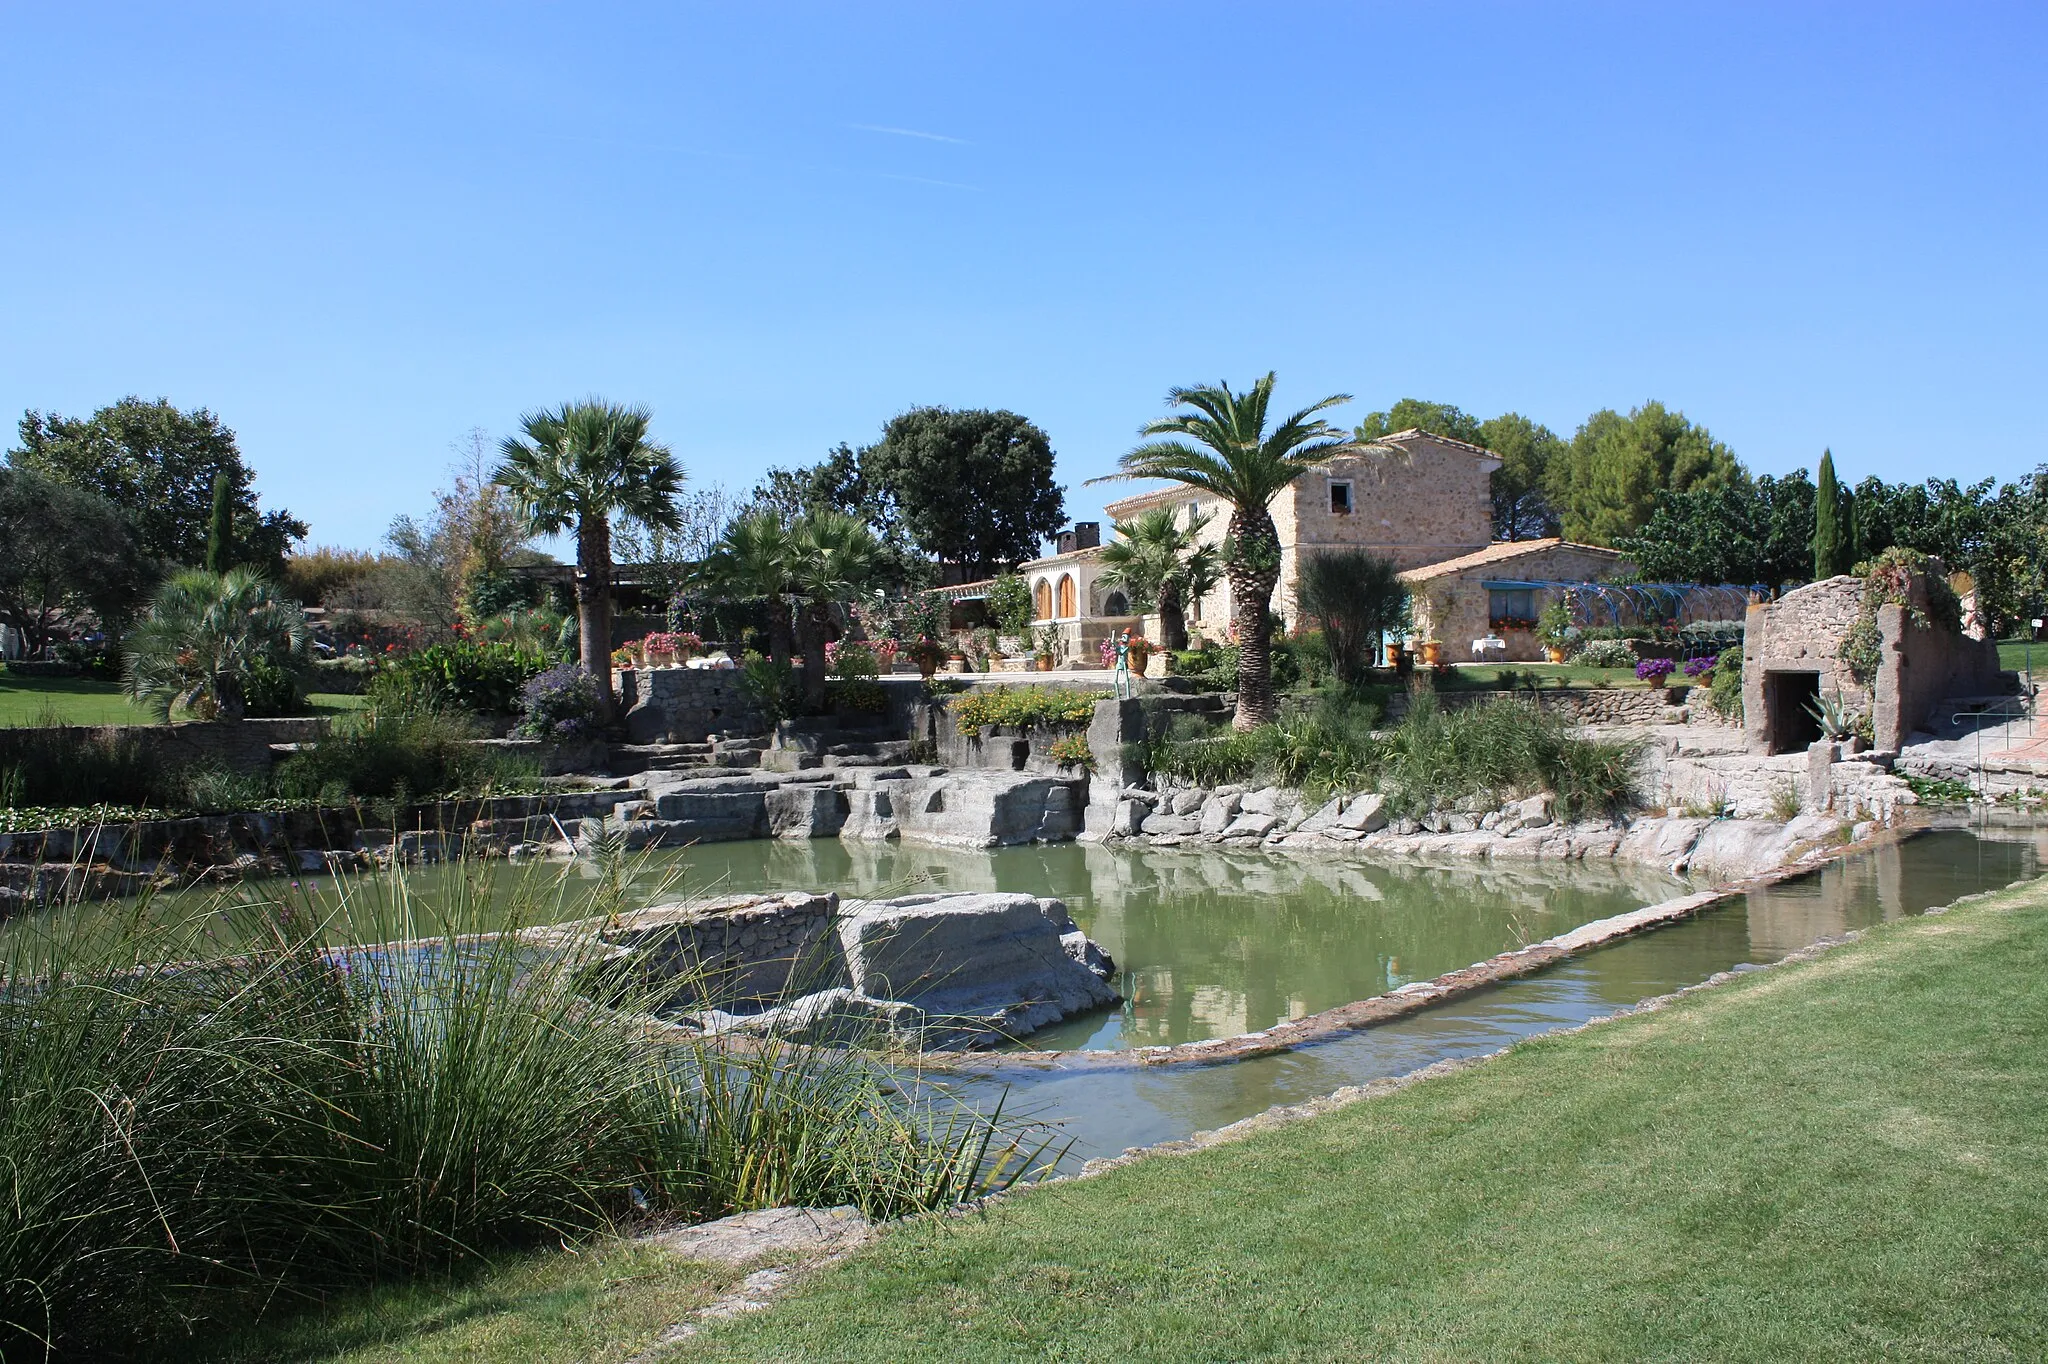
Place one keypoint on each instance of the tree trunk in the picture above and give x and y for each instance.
(594, 608)
(816, 616)
(779, 630)
(228, 703)
(1173, 621)
(1254, 568)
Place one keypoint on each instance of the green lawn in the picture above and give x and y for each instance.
(81, 701)
(1478, 675)
(2014, 655)
(593, 1307)
(1845, 1159)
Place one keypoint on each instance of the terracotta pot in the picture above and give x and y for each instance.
(1432, 652)
(1045, 663)
(1140, 661)
(1393, 655)
(926, 667)
(1553, 653)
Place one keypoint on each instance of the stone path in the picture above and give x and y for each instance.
(797, 1239)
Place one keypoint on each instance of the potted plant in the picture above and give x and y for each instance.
(1139, 650)
(927, 653)
(1045, 642)
(1393, 653)
(1554, 626)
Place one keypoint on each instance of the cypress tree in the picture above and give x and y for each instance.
(1830, 545)
(220, 530)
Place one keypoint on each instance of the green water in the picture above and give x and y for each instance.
(1211, 943)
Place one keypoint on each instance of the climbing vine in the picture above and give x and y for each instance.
(1887, 581)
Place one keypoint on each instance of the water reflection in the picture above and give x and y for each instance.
(1213, 943)
(1105, 1111)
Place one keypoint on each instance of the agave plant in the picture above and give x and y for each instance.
(1837, 721)
(204, 636)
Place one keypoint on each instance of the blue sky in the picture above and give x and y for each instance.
(358, 231)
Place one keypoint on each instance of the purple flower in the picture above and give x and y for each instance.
(1654, 670)
(1700, 667)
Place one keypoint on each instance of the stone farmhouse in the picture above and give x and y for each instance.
(1425, 503)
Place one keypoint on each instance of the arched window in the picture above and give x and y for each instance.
(1116, 604)
(1041, 599)
(1067, 608)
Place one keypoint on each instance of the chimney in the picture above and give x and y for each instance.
(1087, 535)
(1063, 543)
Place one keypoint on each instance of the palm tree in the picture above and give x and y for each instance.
(833, 556)
(579, 467)
(1150, 560)
(752, 561)
(204, 634)
(1223, 449)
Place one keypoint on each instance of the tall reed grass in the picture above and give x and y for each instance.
(1433, 758)
(191, 1127)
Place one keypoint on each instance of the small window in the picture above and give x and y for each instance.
(1340, 496)
(1511, 608)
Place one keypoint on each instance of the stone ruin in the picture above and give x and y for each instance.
(1791, 658)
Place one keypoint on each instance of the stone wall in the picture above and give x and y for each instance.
(1801, 634)
(686, 705)
(1454, 607)
(240, 746)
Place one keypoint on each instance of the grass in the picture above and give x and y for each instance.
(600, 1304)
(1840, 1160)
(185, 1145)
(2014, 655)
(85, 701)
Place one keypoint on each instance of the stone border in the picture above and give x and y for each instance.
(1416, 995)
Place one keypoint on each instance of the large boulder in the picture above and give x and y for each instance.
(978, 965)
(968, 808)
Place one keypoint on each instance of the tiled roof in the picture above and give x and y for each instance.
(1500, 552)
(1124, 507)
(1070, 556)
(1415, 433)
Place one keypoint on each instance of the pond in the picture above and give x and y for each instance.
(1211, 943)
(1217, 943)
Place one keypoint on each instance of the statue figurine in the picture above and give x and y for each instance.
(1122, 677)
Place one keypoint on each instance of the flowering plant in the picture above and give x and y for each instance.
(1700, 667)
(666, 644)
(559, 704)
(1655, 670)
(1106, 651)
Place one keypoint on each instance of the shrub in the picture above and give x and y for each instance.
(1353, 595)
(1071, 750)
(773, 688)
(1009, 604)
(52, 764)
(559, 704)
(1724, 688)
(348, 675)
(1022, 708)
(269, 689)
(1429, 761)
(1605, 653)
(421, 754)
(484, 679)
